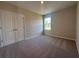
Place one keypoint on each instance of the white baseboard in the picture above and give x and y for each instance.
(64, 37)
(61, 37)
(34, 36)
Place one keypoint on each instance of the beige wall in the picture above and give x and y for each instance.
(64, 23)
(32, 21)
(77, 27)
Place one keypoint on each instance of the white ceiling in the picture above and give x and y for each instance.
(47, 7)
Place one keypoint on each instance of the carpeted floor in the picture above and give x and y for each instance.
(41, 47)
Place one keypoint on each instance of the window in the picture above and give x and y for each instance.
(47, 23)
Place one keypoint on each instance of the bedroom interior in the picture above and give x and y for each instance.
(39, 29)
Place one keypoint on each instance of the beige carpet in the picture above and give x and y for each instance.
(41, 47)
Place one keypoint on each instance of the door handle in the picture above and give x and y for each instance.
(1, 41)
(0, 27)
(14, 29)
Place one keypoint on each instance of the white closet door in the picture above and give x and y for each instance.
(18, 27)
(11, 27)
(8, 33)
(1, 36)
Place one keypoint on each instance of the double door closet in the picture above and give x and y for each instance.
(11, 27)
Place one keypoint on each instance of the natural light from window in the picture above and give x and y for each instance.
(47, 23)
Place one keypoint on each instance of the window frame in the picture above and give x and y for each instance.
(47, 16)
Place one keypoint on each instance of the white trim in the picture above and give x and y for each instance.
(61, 37)
(64, 37)
(34, 36)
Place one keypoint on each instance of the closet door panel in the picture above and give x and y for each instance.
(3, 27)
(1, 35)
(19, 31)
(8, 28)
